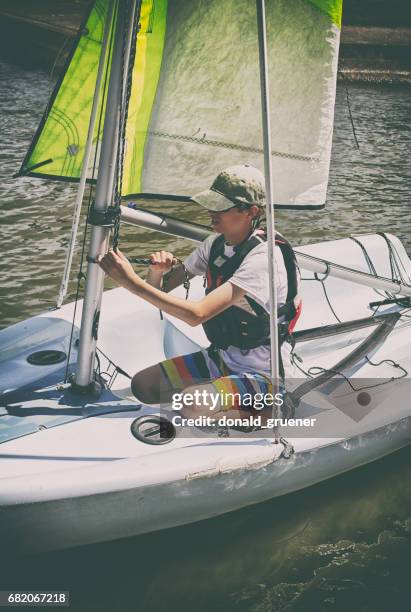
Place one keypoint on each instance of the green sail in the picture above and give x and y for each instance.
(332, 8)
(58, 147)
(146, 73)
(195, 102)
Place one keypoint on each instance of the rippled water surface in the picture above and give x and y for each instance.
(342, 545)
(369, 190)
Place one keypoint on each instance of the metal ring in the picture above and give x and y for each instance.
(162, 431)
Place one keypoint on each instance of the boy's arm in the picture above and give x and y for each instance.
(119, 269)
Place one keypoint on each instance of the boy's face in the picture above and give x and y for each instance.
(233, 221)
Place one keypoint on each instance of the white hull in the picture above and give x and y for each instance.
(141, 508)
(89, 480)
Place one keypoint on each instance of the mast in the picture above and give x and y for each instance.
(265, 116)
(86, 161)
(104, 195)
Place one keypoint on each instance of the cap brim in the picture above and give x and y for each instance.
(211, 200)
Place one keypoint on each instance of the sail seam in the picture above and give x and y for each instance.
(229, 145)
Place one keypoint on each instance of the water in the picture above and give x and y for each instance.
(369, 191)
(340, 545)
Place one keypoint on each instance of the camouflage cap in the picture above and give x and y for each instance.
(234, 186)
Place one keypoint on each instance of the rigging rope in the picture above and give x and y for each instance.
(124, 113)
(322, 280)
(394, 259)
(371, 267)
(315, 370)
(347, 97)
(111, 375)
(396, 274)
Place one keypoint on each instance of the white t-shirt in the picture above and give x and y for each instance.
(252, 276)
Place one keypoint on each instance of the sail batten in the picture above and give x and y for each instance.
(195, 99)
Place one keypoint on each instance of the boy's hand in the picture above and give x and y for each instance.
(117, 267)
(162, 261)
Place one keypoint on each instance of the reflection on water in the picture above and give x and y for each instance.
(369, 191)
(337, 546)
(341, 545)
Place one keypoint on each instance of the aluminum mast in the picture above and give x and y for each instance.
(104, 195)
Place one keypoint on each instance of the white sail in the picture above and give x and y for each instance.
(206, 113)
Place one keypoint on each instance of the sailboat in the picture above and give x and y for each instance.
(156, 97)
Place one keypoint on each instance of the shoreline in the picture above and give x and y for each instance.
(40, 39)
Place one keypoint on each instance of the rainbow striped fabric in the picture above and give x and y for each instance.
(215, 377)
